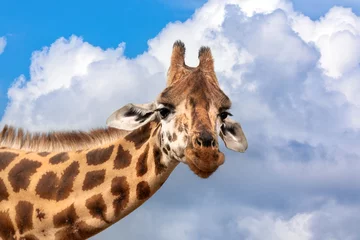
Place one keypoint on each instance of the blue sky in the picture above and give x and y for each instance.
(294, 85)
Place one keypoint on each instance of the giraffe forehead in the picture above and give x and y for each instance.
(196, 87)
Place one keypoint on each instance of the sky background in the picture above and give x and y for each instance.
(291, 69)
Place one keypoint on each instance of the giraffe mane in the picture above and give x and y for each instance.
(57, 141)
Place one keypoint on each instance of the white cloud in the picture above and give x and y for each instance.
(2, 44)
(294, 83)
(274, 228)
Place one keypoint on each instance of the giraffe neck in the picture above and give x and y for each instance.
(75, 195)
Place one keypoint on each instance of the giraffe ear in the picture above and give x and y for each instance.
(132, 116)
(233, 135)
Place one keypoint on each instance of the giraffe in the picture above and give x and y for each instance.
(73, 185)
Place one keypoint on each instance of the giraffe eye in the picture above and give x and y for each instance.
(164, 112)
(224, 115)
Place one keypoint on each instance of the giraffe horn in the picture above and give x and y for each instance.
(177, 59)
(206, 60)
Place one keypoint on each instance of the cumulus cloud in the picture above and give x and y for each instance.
(293, 82)
(2, 44)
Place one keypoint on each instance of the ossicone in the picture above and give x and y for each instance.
(206, 60)
(178, 54)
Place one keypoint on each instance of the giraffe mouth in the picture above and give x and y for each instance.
(198, 171)
(204, 163)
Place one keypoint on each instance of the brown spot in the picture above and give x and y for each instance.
(180, 128)
(174, 137)
(169, 136)
(28, 237)
(93, 179)
(7, 230)
(71, 229)
(43, 154)
(122, 159)
(6, 158)
(4, 195)
(47, 186)
(142, 190)
(99, 156)
(140, 135)
(141, 166)
(67, 181)
(97, 207)
(24, 213)
(120, 189)
(159, 167)
(66, 217)
(52, 188)
(39, 214)
(59, 158)
(19, 175)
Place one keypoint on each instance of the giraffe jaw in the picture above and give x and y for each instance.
(204, 162)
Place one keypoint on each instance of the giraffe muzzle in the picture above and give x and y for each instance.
(203, 155)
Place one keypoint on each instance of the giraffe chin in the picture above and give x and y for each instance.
(204, 162)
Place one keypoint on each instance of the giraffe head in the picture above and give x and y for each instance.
(191, 111)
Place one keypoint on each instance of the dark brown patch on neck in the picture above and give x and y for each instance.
(6, 158)
(97, 207)
(47, 186)
(24, 213)
(52, 188)
(7, 230)
(143, 190)
(66, 217)
(120, 188)
(67, 181)
(4, 194)
(139, 136)
(59, 158)
(122, 159)
(99, 156)
(43, 154)
(141, 165)
(19, 175)
(93, 179)
(159, 167)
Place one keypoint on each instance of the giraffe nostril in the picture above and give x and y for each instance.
(205, 139)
